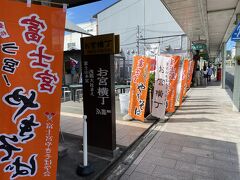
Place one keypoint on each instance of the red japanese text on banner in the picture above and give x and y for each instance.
(161, 86)
(173, 80)
(31, 51)
(139, 87)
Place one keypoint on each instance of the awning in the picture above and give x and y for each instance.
(205, 21)
(70, 3)
(73, 3)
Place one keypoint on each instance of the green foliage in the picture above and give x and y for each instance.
(151, 81)
(237, 58)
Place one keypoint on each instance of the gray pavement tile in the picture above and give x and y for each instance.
(155, 152)
(179, 142)
(215, 148)
(157, 160)
(235, 151)
(226, 175)
(195, 169)
(165, 146)
(179, 156)
(171, 174)
(124, 177)
(145, 167)
(226, 157)
(198, 177)
(198, 152)
(142, 176)
(130, 169)
(191, 144)
(218, 164)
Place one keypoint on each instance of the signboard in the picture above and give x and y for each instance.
(173, 80)
(102, 44)
(139, 87)
(236, 33)
(199, 46)
(31, 44)
(99, 97)
(161, 86)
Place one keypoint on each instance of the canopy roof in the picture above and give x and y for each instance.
(205, 21)
(70, 3)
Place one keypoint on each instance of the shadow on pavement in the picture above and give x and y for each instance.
(186, 157)
(189, 120)
(199, 112)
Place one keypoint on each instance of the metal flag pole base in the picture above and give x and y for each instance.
(85, 169)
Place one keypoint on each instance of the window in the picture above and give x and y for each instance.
(71, 45)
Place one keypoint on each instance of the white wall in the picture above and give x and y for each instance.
(90, 27)
(153, 20)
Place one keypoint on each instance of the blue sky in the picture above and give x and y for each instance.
(84, 13)
(230, 44)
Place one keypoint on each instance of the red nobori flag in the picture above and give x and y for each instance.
(139, 87)
(173, 80)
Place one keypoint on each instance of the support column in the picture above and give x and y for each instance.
(236, 88)
(223, 55)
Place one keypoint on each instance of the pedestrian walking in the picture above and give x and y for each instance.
(205, 76)
(198, 76)
(214, 71)
(209, 73)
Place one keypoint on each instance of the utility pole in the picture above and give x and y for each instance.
(138, 37)
(236, 89)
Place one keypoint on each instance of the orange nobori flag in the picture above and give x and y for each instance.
(173, 81)
(190, 73)
(184, 81)
(139, 87)
(31, 51)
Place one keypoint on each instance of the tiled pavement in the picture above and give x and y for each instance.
(126, 131)
(201, 141)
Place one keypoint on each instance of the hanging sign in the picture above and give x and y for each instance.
(236, 33)
(173, 80)
(31, 52)
(161, 86)
(139, 87)
(184, 81)
(101, 44)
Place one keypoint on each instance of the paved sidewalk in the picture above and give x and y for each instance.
(201, 141)
(126, 131)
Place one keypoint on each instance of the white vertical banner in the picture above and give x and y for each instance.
(161, 86)
(179, 85)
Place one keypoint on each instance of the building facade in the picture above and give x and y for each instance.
(72, 40)
(145, 28)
